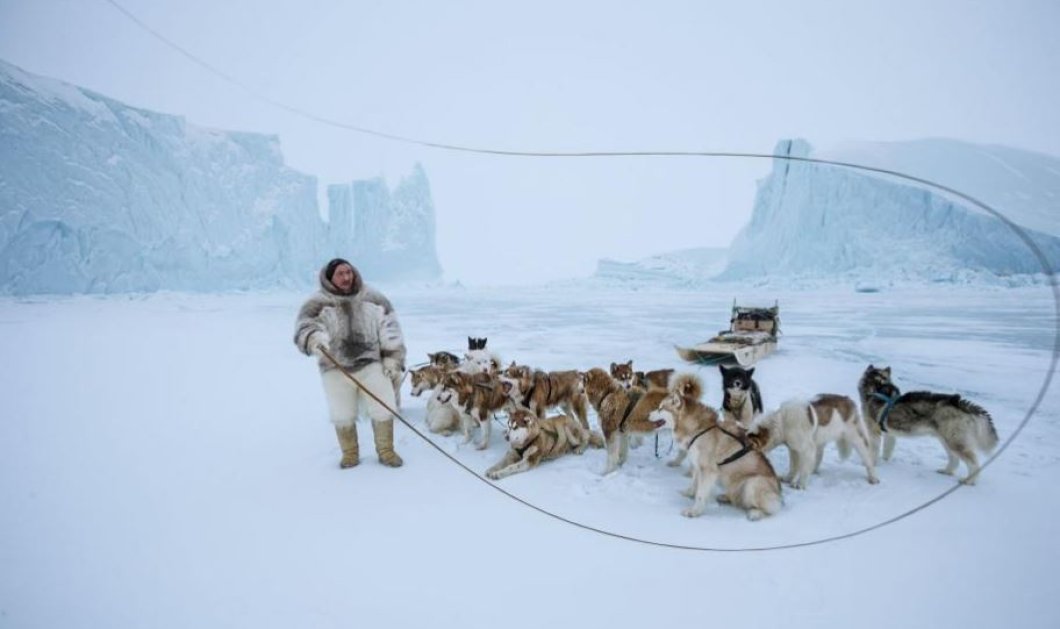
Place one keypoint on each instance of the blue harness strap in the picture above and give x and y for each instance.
(888, 402)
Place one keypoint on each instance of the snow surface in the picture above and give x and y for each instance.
(166, 461)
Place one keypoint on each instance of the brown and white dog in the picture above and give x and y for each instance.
(718, 454)
(532, 439)
(442, 414)
(960, 425)
(621, 413)
(478, 397)
(623, 372)
(657, 379)
(806, 427)
(540, 390)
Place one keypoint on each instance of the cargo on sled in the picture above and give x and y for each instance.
(752, 335)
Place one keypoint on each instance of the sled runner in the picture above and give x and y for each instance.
(752, 335)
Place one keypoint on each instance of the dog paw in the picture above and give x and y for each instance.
(724, 499)
(754, 515)
(493, 475)
(968, 480)
(691, 512)
(672, 463)
(945, 472)
(481, 446)
(873, 480)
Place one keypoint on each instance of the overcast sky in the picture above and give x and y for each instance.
(566, 76)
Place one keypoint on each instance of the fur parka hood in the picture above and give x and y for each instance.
(361, 326)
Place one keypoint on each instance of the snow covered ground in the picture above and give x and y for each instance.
(166, 461)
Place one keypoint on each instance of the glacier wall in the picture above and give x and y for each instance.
(392, 233)
(100, 197)
(819, 220)
(96, 196)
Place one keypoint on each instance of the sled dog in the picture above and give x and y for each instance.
(478, 396)
(442, 415)
(532, 439)
(806, 427)
(445, 360)
(623, 372)
(718, 452)
(742, 399)
(540, 390)
(478, 359)
(621, 412)
(961, 426)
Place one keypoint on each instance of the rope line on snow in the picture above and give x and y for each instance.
(1020, 233)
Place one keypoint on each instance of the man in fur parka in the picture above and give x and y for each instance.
(358, 327)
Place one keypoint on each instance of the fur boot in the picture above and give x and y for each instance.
(384, 443)
(351, 455)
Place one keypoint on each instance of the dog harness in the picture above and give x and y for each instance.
(732, 457)
(888, 402)
(633, 399)
(529, 395)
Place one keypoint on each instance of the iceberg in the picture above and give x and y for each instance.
(100, 197)
(392, 232)
(818, 220)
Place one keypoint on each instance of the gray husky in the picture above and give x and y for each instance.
(961, 426)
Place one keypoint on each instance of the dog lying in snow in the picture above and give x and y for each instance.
(532, 439)
(806, 427)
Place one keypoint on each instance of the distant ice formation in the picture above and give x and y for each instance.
(100, 197)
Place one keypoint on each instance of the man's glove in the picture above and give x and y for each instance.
(318, 342)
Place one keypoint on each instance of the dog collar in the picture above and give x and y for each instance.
(888, 402)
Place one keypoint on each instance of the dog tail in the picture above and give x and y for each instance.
(985, 433)
(687, 385)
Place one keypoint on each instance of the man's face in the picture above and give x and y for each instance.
(343, 278)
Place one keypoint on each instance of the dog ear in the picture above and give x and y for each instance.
(629, 363)
(724, 371)
(886, 371)
(750, 372)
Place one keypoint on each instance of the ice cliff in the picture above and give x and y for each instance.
(392, 232)
(824, 221)
(100, 197)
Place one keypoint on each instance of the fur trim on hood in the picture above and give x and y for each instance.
(325, 283)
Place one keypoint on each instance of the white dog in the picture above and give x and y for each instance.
(806, 427)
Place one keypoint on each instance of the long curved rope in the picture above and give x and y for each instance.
(1020, 233)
